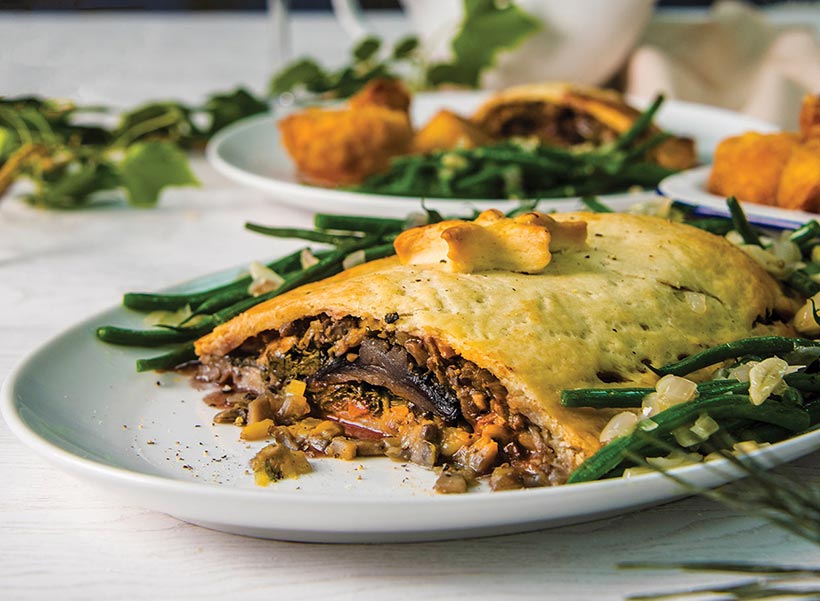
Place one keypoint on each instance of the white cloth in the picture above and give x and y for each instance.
(734, 58)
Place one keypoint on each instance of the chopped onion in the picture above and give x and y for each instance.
(620, 425)
(631, 472)
(307, 258)
(741, 372)
(168, 318)
(704, 426)
(676, 458)
(685, 437)
(669, 391)
(355, 258)
(265, 279)
(676, 389)
(804, 321)
(747, 446)
(767, 259)
(766, 378)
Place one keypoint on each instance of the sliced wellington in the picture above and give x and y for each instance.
(570, 115)
(453, 355)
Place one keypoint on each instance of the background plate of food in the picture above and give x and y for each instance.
(776, 175)
(464, 150)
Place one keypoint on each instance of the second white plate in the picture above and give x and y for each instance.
(250, 152)
(690, 187)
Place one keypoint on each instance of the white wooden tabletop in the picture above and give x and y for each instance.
(63, 539)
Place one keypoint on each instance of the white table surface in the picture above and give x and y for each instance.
(62, 539)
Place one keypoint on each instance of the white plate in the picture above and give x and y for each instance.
(690, 187)
(250, 153)
(149, 438)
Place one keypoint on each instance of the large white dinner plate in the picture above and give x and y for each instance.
(150, 438)
(250, 153)
(690, 187)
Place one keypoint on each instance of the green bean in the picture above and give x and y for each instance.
(800, 281)
(488, 173)
(648, 144)
(727, 406)
(146, 301)
(601, 398)
(805, 233)
(803, 381)
(715, 225)
(605, 398)
(742, 224)
(302, 234)
(153, 337)
(595, 205)
(523, 157)
(283, 267)
(168, 360)
(350, 223)
(640, 125)
(764, 345)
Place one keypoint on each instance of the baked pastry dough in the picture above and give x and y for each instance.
(640, 290)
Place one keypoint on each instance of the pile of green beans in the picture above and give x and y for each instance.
(793, 410)
(217, 305)
(515, 170)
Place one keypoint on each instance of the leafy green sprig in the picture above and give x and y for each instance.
(69, 163)
(488, 27)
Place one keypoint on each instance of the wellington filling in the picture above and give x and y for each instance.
(557, 125)
(351, 387)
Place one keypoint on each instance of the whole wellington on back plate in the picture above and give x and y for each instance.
(453, 353)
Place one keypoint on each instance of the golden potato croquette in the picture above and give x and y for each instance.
(389, 93)
(344, 146)
(810, 116)
(446, 131)
(749, 166)
(800, 181)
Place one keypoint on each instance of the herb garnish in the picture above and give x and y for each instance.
(68, 162)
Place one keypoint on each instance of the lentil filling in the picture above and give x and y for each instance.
(349, 388)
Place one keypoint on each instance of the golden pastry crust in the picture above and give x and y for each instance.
(595, 314)
(593, 113)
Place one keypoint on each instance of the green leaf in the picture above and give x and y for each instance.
(304, 72)
(488, 27)
(405, 47)
(233, 106)
(367, 48)
(167, 120)
(8, 143)
(148, 167)
(73, 185)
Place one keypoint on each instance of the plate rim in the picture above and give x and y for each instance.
(686, 187)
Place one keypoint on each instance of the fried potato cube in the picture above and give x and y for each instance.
(800, 181)
(749, 166)
(810, 116)
(344, 146)
(389, 93)
(446, 131)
